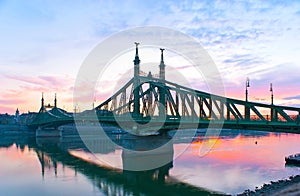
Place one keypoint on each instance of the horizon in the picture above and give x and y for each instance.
(44, 45)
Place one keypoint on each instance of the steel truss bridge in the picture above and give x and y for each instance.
(50, 117)
(174, 104)
(146, 102)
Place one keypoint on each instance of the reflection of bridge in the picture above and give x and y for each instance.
(53, 153)
(114, 182)
(169, 106)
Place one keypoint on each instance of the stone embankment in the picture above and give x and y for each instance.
(290, 187)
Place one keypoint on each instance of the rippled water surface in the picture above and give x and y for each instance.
(239, 160)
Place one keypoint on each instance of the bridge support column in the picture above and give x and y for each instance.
(274, 115)
(210, 108)
(227, 111)
(162, 102)
(45, 132)
(247, 112)
(176, 102)
(221, 111)
(200, 108)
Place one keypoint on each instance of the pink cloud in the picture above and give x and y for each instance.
(26, 93)
(11, 101)
(50, 82)
(6, 109)
(29, 90)
(53, 80)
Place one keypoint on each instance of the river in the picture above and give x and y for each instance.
(237, 160)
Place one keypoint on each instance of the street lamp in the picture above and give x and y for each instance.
(272, 96)
(247, 109)
(247, 85)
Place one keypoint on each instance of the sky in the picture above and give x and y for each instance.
(43, 44)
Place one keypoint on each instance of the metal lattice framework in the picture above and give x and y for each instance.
(160, 97)
(145, 98)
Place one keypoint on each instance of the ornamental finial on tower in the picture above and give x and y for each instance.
(136, 59)
(162, 55)
(162, 65)
(136, 48)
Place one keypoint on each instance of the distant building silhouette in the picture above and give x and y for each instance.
(17, 116)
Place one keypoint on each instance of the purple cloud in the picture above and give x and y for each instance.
(292, 97)
(43, 82)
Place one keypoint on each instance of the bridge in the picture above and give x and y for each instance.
(167, 105)
(50, 116)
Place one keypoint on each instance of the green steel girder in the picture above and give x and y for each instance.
(258, 113)
(180, 101)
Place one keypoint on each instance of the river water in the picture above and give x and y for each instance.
(238, 160)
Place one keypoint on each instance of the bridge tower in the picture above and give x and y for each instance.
(136, 82)
(55, 101)
(42, 103)
(162, 93)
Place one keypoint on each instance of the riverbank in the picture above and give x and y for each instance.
(288, 187)
(14, 128)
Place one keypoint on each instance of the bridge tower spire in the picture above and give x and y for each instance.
(162, 93)
(55, 101)
(162, 65)
(42, 102)
(136, 82)
(136, 60)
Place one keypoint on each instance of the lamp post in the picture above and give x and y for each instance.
(272, 96)
(273, 113)
(247, 109)
(247, 85)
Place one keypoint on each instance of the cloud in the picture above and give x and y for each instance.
(25, 91)
(42, 82)
(258, 39)
(5, 109)
(243, 59)
(240, 35)
(285, 75)
(11, 101)
(292, 97)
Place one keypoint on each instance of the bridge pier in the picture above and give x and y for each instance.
(48, 132)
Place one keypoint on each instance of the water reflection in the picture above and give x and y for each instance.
(239, 160)
(53, 156)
